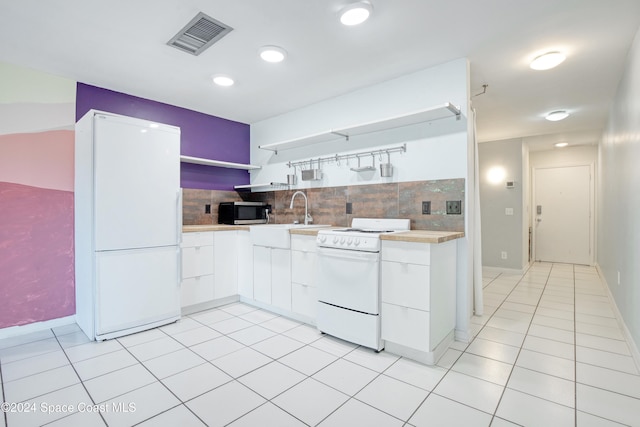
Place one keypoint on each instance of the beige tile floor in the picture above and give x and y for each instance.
(548, 352)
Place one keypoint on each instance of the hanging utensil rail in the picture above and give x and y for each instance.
(400, 149)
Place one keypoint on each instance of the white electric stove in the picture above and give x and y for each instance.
(349, 279)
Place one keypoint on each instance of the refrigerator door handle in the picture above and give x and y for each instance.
(179, 269)
(179, 234)
(179, 217)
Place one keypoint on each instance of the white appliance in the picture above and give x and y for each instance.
(349, 279)
(127, 224)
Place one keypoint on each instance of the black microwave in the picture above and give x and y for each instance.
(237, 213)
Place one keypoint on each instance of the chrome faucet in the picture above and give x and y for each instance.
(307, 217)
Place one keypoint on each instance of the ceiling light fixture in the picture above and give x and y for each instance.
(272, 53)
(223, 80)
(355, 13)
(547, 61)
(556, 116)
(561, 144)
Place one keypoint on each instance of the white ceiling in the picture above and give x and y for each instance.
(121, 45)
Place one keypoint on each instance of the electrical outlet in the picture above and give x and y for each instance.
(503, 255)
(426, 208)
(207, 209)
(454, 207)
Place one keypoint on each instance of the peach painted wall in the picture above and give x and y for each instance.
(36, 196)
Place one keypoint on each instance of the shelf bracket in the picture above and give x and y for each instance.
(455, 110)
(344, 135)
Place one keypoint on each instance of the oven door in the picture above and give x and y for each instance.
(349, 279)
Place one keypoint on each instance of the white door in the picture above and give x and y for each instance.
(562, 211)
(137, 183)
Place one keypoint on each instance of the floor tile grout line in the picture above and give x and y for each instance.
(513, 366)
(159, 381)
(79, 379)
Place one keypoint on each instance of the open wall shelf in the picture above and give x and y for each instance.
(421, 116)
(217, 163)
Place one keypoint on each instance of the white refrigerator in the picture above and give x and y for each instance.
(127, 224)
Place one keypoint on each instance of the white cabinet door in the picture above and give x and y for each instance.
(136, 287)
(406, 326)
(196, 290)
(406, 285)
(303, 268)
(245, 264)
(281, 278)
(262, 274)
(225, 264)
(304, 300)
(197, 261)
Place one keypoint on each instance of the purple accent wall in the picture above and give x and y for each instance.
(202, 135)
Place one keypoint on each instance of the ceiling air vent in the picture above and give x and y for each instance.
(199, 34)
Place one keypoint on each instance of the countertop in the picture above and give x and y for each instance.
(417, 236)
(423, 236)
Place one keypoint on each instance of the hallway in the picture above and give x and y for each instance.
(571, 358)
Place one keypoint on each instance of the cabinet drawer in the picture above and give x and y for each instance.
(406, 284)
(405, 326)
(303, 243)
(303, 267)
(197, 261)
(409, 252)
(196, 290)
(197, 238)
(304, 300)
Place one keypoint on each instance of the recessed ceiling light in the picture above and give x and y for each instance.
(273, 53)
(547, 61)
(222, 80)
(561, 144)
(355, 13)
(556, 116)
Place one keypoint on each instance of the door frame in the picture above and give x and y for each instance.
(592, 205)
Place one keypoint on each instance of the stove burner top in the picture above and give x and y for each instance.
(363, 230)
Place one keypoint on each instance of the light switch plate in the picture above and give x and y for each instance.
(508, 211)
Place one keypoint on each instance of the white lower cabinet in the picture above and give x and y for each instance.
(272, 276)
(245, 264)
(262, 274)
(418, 298)
(225, 264)
(197, 268)
(304, 297)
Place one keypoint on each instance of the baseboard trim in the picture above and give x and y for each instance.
(504, 270)
(13, 331)
(633, 346)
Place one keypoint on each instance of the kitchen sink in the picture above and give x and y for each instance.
(276, 235)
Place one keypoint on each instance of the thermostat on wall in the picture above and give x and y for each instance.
(510, 184)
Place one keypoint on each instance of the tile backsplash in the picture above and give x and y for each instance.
(328, 205)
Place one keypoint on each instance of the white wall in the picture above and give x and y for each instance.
(619, 196)
(436, 150)
(501, 232)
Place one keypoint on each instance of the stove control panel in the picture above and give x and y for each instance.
(349, 241)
